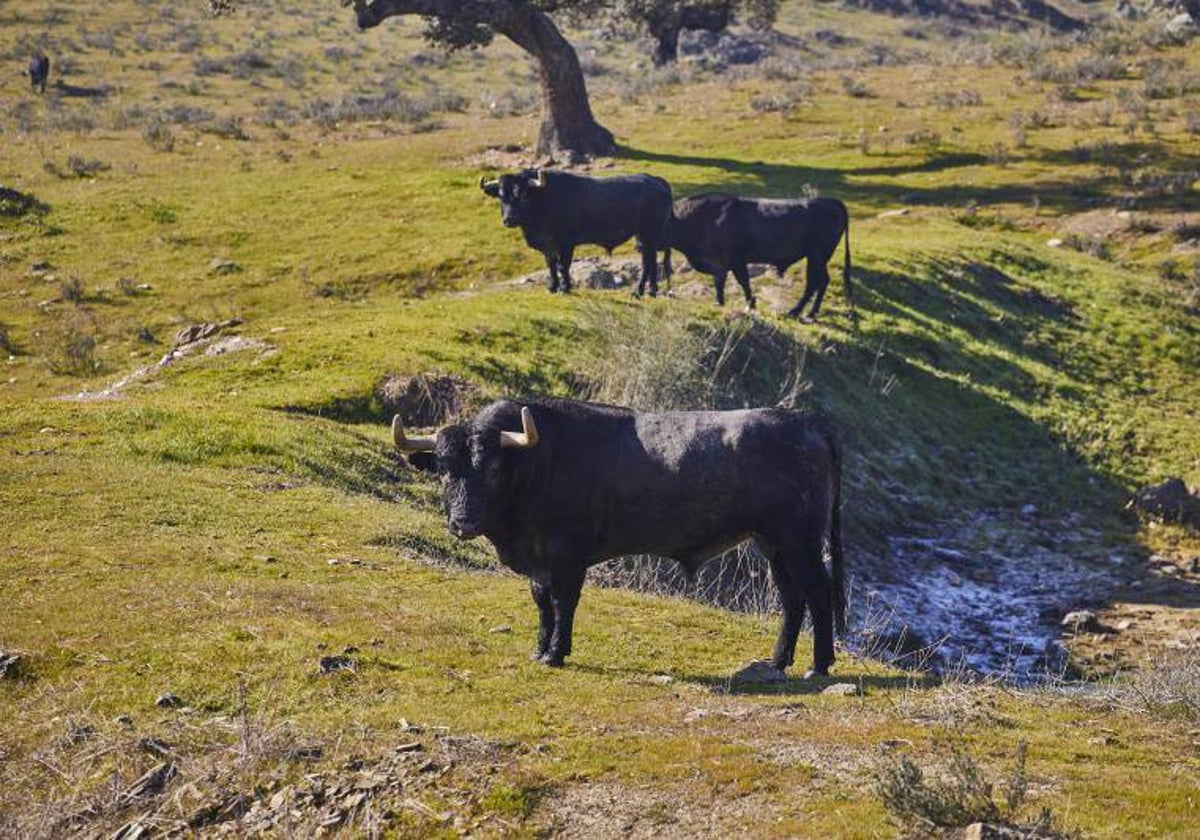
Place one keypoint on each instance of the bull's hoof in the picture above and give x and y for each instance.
(816, 672)
(537, 655)
(552, 660)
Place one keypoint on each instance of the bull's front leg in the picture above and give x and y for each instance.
(564, 597)
(565, 258)
(552, 264)
(545, 605)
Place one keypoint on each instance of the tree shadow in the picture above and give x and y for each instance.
(1062, 194)
(792, 686)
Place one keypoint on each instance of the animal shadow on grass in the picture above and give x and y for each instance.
(794, 685)
(80, 91)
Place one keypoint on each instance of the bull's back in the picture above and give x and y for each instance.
(687, 484)
(609, 211)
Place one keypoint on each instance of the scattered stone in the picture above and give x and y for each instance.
(1125, 624)
(411, 746)
(168, 701)
(155, 746)
(661, 679)
(1169, 501)
(500, 628)
(339, 662)
(1028, 510)
(887, 214)
(10, 664)
(759, 671)
(1181, 28)
(426, 399)
(842, 690)
(199, 332)
(1081, 621)
(124, 721)
(221, 265)
(1054, 243)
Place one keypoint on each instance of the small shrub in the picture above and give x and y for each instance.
(1170, 686)
(84, 168)
(77, 355)
(957, 793)
(158, 134)
(855, 88)
(229, 127)
(71, 290)
(6, 343)
(952, 100)
(514, 102)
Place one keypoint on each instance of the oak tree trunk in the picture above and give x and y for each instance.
(567, 121)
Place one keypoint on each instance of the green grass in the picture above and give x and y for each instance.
(179, 538)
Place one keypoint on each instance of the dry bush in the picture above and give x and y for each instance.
(957, 792)
(1169, 687)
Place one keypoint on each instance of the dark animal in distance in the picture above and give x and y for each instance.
(582, 483)
(558, 211)
(721, 233)
(39, 71)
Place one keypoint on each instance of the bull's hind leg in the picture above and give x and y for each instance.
(818, 275)
(801, 560)
(810, 289)
(792, 600)
(742, 274)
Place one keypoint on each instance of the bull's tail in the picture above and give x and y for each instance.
(837, 570)
(846, 269)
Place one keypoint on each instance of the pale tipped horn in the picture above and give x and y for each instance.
(539, 178)
(523, 439)
(407, 444)
(484, 183)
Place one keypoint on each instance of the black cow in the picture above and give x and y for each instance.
(558, 211)
(722, 233)
(39, 70)
(583, 483)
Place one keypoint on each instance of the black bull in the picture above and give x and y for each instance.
(558, 211)
(39, 71)
(722, 233)
(583, 483)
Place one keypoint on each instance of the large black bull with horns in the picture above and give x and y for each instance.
(582, 483)
(558, 211)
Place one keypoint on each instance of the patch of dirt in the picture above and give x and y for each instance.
(610, 809)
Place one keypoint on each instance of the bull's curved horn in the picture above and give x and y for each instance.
(539, 178)
(407, 444)
(524, 439)
(484, 183)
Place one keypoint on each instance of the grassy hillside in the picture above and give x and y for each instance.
(215, 526)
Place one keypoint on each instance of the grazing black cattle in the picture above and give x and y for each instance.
(583, 483)
(39, 70)
(722, 233)
(558, 211)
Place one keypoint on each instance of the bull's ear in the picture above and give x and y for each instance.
(423, 461)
